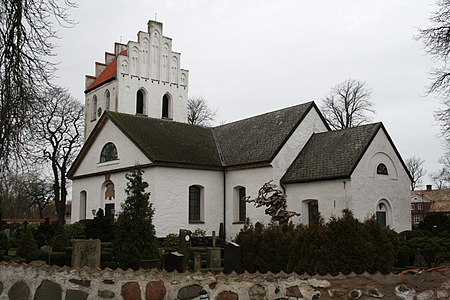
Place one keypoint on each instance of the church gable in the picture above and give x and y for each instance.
(108, 149)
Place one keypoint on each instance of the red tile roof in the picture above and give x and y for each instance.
(107, 75)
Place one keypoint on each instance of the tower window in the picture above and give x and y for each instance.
(94, 108)
(107, 99)
(166, 106)
(140, 102)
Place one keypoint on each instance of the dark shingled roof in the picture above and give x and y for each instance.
(169, 141)
(254, 140)
(331, 155)
(258, 139)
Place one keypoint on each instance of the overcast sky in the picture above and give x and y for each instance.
(251, 57)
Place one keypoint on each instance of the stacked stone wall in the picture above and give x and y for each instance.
(45, 282)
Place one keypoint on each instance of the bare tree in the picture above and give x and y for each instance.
(26, 36)
(199, 112)
(12, 197)
(347, 104)
(440, 178)
(436, 40)
(60, 132)
(414, 165)
(38, 192)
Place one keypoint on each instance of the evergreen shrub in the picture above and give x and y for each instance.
(37, 255)
(135, 238)
(342, 245)
(27, 244)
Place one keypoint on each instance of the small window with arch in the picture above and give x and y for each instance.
(109, 153)
(382, 169)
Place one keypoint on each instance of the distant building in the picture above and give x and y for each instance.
(429, 201)
(420, 206)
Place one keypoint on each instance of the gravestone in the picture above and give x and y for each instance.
(173, 261)
(232, 258)
(214, 255)
(197, 258)
(86, 253)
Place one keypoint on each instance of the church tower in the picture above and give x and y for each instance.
(142, 78)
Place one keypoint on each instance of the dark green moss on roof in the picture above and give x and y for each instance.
(258, 139)
(331, 155)
(169, 141)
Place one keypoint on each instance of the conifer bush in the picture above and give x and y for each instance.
(135, 237)
(27, 244)
(60, 240)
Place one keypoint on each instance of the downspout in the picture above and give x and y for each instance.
(224, 204)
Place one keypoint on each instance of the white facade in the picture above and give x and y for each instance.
(149, 67)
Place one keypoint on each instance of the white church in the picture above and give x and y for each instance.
(136, 112)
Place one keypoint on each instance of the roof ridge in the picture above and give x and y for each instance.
(266, 113)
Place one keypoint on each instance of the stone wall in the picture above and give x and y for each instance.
(45, 282)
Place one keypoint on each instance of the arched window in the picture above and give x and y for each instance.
(107, 99)
(109, 152)
(110, 192)
(383, 213)
(240, 204)
(83, 198)
(195, 203)
(94, 108)
(382, 169)
(313, 212)
(140, 102)
(166, 107)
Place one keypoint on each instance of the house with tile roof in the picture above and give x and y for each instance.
(429, 201)
(198, 176)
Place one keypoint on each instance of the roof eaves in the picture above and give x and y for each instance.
(396, 152)
(378, 125)
(93, 87)
(87, 145)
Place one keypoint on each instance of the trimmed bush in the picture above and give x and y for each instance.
(342, 245)
(59, 259)
(37, 255)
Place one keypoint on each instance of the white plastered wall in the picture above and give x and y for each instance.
(169, 194)
(332, 196)
(254, 179)
(312, 123)
(363, 191)
(368, 187)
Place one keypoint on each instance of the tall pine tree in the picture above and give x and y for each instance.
(135, 238)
